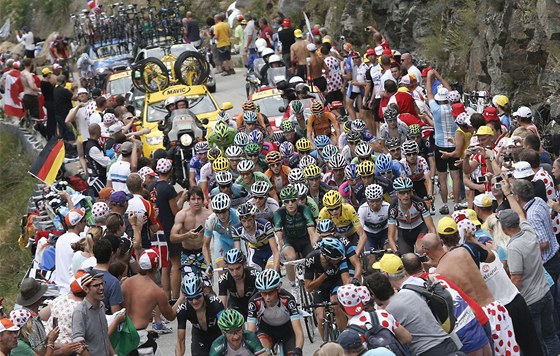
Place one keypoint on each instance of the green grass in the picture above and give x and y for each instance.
(16, 187)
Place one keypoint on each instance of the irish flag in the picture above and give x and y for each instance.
(13, 88)
(46, 166)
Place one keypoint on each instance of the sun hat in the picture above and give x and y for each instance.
(441, 94)
(523, 170)
(30, 291)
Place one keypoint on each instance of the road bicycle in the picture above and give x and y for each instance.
(330, 329)
(304, 298)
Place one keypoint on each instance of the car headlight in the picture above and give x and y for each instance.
(102, 70)
(154, 141)
(186, 140)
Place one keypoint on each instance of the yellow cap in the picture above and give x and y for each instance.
(473, 217)
(446, 226)
(484, 130)
(389, 263)
(326, 40)
(298, 33)
(46, 71)
(501, 100)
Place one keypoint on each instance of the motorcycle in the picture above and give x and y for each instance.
(183, 135)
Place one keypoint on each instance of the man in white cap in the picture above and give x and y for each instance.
(8, 336)
(121, 169)
(483, 207)
(75, 222)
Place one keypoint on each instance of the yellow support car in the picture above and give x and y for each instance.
(201, 103)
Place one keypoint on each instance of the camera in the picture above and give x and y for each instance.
(508, 157)
(480, 180)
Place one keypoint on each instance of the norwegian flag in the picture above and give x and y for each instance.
(92, 4)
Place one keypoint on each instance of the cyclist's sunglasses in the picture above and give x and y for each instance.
(266, 293)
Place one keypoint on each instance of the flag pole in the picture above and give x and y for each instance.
(42, 181)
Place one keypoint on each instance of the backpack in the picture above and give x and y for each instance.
(379, 337)
(439, 300)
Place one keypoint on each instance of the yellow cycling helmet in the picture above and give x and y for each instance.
(214, 153)
(366, 168)
(303, 144)
(312, 171)
(332, 199)
(220, 164)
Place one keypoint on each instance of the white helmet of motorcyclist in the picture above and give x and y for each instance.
(169, 101)
(296, 79)
(274, 59)
(260, 43)
(267, 52)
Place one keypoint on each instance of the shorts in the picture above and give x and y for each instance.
(353, 239)
(407, 238)
(159, 244)
(324, 293)
(333, 96)
(29, 53)
(192, 261)
(173, 247)
(258, 258)
(320, 83)
(301, 70)
(224, 53)
(420, 188)
(302, 247)
(31, 104)
(442, 165)
(351, 94)
(375, 109)
(201, 342)
(276, 334)
(377, 240)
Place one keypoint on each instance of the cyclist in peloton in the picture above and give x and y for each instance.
(222, 136)
(237, 285)
(274, 315)
(346, 189)
(335, 177)
(417, 169)
(236, 192)
(295, 228)
(289, 132)
(322, 123)
(317, 189)
(202, 310)
(235, 154)
(326, 269)
(305, 199)
(196, 162)
(253, 153)
(235, 340)
(262, 250)
(266, 206)
(345, 218)
(408, 217)
(374, 216)
(277, 172)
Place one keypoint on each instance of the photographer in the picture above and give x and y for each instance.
(477, 163)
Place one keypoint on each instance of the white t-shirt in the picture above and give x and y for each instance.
(83, 123)
(376, 74)
(63, 260)
(117, 174)
(414, 70)
(387, 76)
(498, 281)
(96, 118)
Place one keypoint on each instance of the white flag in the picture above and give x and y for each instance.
(5, 30)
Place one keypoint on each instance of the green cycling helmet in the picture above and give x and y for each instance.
(297, 107)
(288, 192)
(414, 129)
(287, 126)
(230, 319)
(252, 149)
(221, 130)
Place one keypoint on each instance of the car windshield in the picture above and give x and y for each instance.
(269, 106)
(108, 51)
(198, 104)
(120, 86)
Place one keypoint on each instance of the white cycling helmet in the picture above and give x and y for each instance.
(221, 201)
(260, 189)
(245, 165)
(224, 177)
(296, 79)
(296, 176)
(363, 149)
(306, 161)
(267, 52)
(234, 152)
(374, 192)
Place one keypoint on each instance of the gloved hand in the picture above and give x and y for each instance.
(331, 271)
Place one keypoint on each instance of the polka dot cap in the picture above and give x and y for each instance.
(100, 210)
(350, 300)
(459, 215)
(20, 317)
(363, 292)
(463, 226)
(163, 165)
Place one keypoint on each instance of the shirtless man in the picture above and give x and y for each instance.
(186, 231)
(458, 266)
(316, 65)
(142, 295)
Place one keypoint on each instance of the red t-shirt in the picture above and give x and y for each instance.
(405, 102)
(410, 119)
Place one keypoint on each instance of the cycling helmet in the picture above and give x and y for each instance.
(363, 149)
(221, 131)
(303, 144)
(267, 52)
(402, 183)
(241, 139)
(295, 79)
(414, 129)
(358, 125)
(214, 153)
(224, 177)
(409, 146)
(274, 59)
(337, 161)
(321, 141)
(256, 136)
(463, 119)
(366, 168)
(220, 201)
(329, 151)
(353, 137)
(332, 199)
(302, 88)
(248, 105)
(384, 163)
(201, 147)
(296, 176)
(351, 171)
(288, 192)
(223, 116)
(260, 189)
(245, 165)
(252, 149)
(392, 142)
(246, 209)
(220, 164)
(286, 149)
(453, 96)
(230, 319)
(312, 171)
(276, 137)
(191, 286)
(267, 280)
(390, 114)
(302, 189)
(374, 192)
(317, 107)
(249, 117)
(347, 126)
(297, 106)
(325, 226)
(169, 101)
(332, 248)
(234, 256)
(234, 152)
(287, 126)
(307, 161)
(273, 157)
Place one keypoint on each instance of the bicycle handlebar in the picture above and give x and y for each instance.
(319, 305)
(377, 252)
(294, 262)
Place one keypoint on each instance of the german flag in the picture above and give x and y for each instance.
(46, 166)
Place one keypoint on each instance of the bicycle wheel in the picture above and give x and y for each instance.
(155, 76)
(327, 336)
(136, 76)
(191, 68)
(308, 320)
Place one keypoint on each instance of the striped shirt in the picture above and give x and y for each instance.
(444, 125)
(538, 215)
(117, 174)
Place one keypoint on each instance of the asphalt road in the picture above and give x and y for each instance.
(232, 88)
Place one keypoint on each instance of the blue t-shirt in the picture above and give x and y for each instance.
(48, 262)
(506, 121)
(113, 292)
(195, 165)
